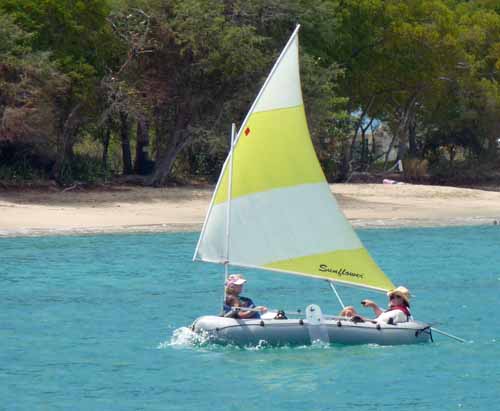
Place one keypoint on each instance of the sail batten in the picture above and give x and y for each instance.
(283, 216)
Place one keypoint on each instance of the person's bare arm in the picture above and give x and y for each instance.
(376, 309)
(247, 314)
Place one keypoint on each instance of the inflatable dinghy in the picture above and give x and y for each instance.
(306, 331)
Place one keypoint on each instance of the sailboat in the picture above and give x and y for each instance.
(272, 209)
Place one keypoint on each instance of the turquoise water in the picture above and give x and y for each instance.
(95, 323)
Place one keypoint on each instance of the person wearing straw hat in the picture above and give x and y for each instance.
(398, 311)
(233, 288)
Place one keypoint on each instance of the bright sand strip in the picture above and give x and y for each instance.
(134, 209)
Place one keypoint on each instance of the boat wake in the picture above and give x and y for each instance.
(184, 337)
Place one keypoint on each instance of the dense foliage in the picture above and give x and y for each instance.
(95, 88)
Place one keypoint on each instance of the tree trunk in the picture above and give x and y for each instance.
(407, 114)
(402, 147)
(374, 143)
(66, 140)
(364, 145)
(492, 147)
(141, 148)
(125, 139)
(106, 136)
(363, 148)
(171, 143)
(164, 163)
(412, 136)
(451, 152)
(345, 164)
(359, 125)
(391, 144)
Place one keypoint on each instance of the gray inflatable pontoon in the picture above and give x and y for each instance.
(305, 331)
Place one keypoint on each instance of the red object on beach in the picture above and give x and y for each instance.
(247, 131)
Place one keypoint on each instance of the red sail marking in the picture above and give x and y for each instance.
(247, 131)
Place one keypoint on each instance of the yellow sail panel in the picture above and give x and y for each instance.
(274, 151)
(354, 267)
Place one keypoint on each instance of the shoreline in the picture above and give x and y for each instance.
(120, 210)
(196, 228)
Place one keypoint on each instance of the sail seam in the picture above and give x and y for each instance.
(274, 110)
(275, 189)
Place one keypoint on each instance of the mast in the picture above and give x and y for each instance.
(228, 212)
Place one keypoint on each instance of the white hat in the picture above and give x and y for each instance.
(236, 279)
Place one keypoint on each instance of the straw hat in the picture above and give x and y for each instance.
(403, 292)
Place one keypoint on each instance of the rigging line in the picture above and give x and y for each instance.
(337, 294)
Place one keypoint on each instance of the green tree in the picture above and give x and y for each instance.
(80, 44)
(29, 85)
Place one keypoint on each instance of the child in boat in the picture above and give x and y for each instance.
(234, 287)
(231, 302)
(398, 312)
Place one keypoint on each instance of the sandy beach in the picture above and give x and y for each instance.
(137, 209)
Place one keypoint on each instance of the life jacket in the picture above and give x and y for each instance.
(227, 310)
(402, 308)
